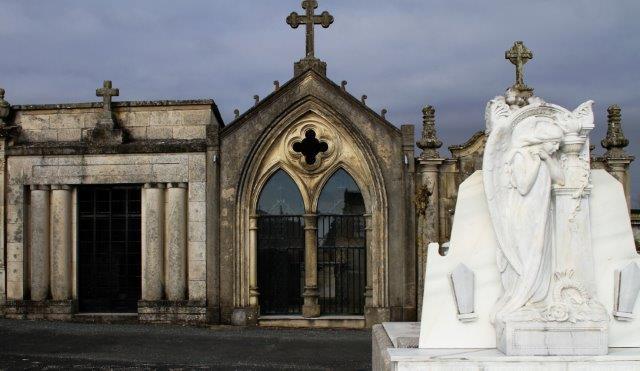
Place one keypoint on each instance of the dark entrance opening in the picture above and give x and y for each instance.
(342, 252)
(109, 248)
(280, 246)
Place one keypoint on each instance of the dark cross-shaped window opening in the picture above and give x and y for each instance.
(310, 146)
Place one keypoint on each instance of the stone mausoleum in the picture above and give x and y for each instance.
(309, 210)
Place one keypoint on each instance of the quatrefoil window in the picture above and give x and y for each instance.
(310, 146)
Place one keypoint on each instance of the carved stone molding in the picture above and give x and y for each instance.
(315, 137)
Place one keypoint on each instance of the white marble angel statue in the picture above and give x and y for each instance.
(520, 166)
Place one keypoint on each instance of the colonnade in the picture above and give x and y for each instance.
(164, 241)
(50, 233)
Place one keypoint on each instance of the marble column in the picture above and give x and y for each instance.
(61, 242)
(176, 242)
(39, 237)
(153, 241)
(310, 308)
(253, 261)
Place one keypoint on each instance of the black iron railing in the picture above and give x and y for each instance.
(109, 248)
(280, 264)
(341, 264)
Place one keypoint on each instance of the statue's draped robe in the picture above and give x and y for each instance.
(529, 235)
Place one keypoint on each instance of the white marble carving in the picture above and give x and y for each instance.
(626, 291)
(537, 183)
(463, 286)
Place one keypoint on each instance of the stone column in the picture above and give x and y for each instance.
(427, 195)
(39, 236)
(176, 241)
(61, 242)
(153, 241)
(368, 289)
(616, 159)
(253, 261)
(619, 168)
(427, 214)
(311, 308)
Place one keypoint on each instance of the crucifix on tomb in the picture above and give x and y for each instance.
(519, 55)
(310, 19)
(105, 131)
(106, 92)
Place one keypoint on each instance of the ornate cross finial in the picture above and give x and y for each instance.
(429, 142)
(615, 140)
(519, 55)
(309, 20)
(106, 92)
(310, 146)
(310, 62)
(106, 131)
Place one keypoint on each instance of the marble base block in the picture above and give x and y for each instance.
(532, 338)
(393, 349)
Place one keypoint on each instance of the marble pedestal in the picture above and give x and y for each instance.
(394, 346)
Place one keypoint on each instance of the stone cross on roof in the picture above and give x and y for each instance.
(519, 55)
(106, 92)
(310, 19)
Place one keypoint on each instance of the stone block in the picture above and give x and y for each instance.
(196, 117)
(15, 289)
(14, 214)
(15, 252)
(15, 232)
(159, 132)
(197, 290)
(70, 135)
(189, 132)
(42, 135)
(197, 250)
(67, 121)
(32, 122)
(197, 270)
(197, 231)
(138, 132)
(197, 191)
(197, 211)
(197, 168)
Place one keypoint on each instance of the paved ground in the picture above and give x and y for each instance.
(56, 345)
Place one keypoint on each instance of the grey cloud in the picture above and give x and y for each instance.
(403, 54)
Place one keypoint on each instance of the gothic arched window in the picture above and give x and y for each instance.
(280, 196)
(341, 196)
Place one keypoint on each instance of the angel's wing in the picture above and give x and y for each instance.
(497, 176)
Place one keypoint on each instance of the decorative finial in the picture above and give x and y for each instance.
(364, 99)
(383, 113)
(429, 142)
(106, 131)
(519, 92)
(615, 140)
(276, 85)
(7, 130)
(256, 98)
(107, 92)
(309, 20)
(5, 108)
(236, 113)
(343, 85)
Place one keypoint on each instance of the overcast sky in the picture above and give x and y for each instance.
(402, 53)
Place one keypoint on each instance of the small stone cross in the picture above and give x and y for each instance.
(519, 55)
(310, 146)
(310, 19)
(106, 92)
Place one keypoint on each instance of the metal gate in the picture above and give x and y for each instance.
(109, 244)
(342, 264)
(280, 264)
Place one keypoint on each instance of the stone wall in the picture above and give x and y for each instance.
(141, 120)
(169, 168)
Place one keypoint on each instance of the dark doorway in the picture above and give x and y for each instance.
(280, 246)
(342, 253)
(109, 248)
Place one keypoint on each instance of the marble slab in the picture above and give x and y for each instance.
(473, 243)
